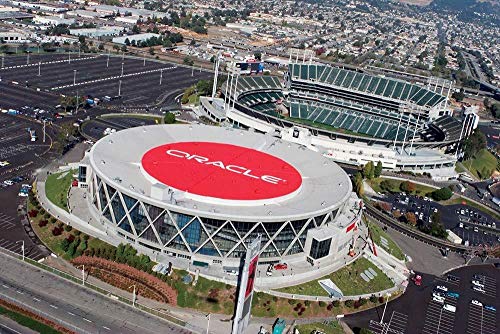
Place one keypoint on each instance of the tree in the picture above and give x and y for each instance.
(442, 194)
(459, 96)
(411, 218)
(127, 42)
(257, 55)
(135, 29)
(358, 184)
(169, 118)
(369, 170)
(188, 61)
(378, 169)
(408, 186)
(474, 143)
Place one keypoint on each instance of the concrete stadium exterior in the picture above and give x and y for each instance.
(354, 117)
(204, 193)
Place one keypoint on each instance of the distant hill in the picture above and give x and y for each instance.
(482, 6)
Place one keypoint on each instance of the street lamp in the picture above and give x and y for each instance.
(22, 246)
(208, 322)
(83, 273)
(161, 75)
(74, 77)
(119, 88)
(122, 70)
(133, 295)
(39, 68)
(385, 307)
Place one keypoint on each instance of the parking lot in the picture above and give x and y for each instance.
(96, 128)
(138, 82)
(470, 224)
(416, 312)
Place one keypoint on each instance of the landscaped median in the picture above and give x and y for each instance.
(57, 187)
(383, 240)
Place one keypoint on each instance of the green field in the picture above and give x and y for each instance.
(395, 185)
(56, 188)
(392, 248)
(347, 279)
(332, 327)
(27, 321)
(483, 163)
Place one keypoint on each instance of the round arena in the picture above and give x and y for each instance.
(203, 193)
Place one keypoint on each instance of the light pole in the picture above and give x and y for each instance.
(107, 61)
(39, 67)
(192, 70)
(161, 75)
(28, 58)
(83, 273)
(22, 246)
(385, 307)
(44, 121)
(74, 77)
(208, 322)
(119, 88)
(3, 60)
(133, 295)
(122, 69)
(69, 57)
(144, 64)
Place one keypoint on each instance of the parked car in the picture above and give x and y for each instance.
(453, 295)
(438, 299)
(417, 280)
(477, 289)
(476, 302)
(442, 288)
(490, 308)
(449, 308)
(280, 266)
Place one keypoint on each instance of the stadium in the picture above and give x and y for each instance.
(203, 193)
(352, 116)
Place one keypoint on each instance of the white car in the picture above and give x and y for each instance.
(442, 288)
(438, 299)
(478, 289)
(476, 302)
(4, 163)
(8, 182)
(449, 307)
(26, 186)
(21, 194)
(477, 283)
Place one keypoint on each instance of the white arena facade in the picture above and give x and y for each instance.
(203, 193)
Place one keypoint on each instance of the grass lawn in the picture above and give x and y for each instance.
(420, 190)
(156, 118)
(482, 161)
(27, 321)
(392, 248)
(460, 200)
(194, 99)
(56, 188)
(332, 327)
(347, 279)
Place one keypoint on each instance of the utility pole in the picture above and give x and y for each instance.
(22, 246)
(133, 295)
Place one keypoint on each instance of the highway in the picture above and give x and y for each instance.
(73, 306)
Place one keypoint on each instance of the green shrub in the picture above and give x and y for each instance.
(336, 303)
(349, 303)
(442, 194)
(68, 228)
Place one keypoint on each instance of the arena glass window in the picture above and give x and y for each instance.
(320, 249)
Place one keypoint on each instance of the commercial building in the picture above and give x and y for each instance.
(203, 193)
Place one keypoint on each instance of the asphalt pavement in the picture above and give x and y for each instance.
(76, 307)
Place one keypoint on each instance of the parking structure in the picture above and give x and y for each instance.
(470, 224)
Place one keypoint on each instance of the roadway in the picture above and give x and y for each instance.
(77, 308)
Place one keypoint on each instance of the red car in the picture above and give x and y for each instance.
(280, 266)
(417, 280)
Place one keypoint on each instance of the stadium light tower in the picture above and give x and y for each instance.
(214, 88)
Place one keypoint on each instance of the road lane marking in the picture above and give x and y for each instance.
(13, 330)
(87, 320)
(71, 313)
(53, 306)
(20, 292)
(106, 328)
(36, 299)
(5, 286)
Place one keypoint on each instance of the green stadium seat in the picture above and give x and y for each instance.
(365, 80)
(381, 86)
(389, 89)
(340, 78)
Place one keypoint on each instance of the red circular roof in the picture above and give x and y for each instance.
(221, 171)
